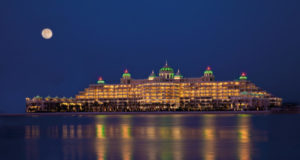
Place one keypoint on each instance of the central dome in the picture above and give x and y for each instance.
(166, 69)
(166, 72)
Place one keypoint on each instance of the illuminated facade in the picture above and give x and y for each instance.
(168, 91)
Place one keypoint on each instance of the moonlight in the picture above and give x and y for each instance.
(47, 33)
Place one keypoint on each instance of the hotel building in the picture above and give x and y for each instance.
(167, 91)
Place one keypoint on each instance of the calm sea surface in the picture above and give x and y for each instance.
(150, 136)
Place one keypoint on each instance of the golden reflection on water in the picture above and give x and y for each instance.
(244, 146)
(79, 131)
(101, 151)
(53, 132)
(126, 149)
(72, 132)
(209, 137)
(126, 142)
(150, 132)
(100, 131)
(177, 135)
(64, 131)
(126, 133)
(166, 137)
(100, 145)
(32, 131)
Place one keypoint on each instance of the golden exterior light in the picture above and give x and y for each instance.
(163, 92)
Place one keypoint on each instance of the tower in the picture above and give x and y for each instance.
(100, 81)
(152, 76)
(208, 74)
(126, 77)
(243, 76)
(178, 75)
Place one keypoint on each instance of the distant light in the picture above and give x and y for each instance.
(47, 33)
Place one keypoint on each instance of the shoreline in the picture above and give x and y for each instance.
(142, 113)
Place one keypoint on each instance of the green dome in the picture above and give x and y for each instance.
(126, 74)
(243, 76)
(48, 97)
(152, 74)
(208, 71)
(166, 69)
(100, 81)
(166, 72)
(37, 96)
(178, 75)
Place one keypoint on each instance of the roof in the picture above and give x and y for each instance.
(166, 69)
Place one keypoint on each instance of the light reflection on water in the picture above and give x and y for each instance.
(150, 137)
(244, 146)
(209, 137)
(162, 137)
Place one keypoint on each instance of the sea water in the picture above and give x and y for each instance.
(150, 136)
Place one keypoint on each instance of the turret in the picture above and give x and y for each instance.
(126, 77)
(178, 75)
(243, 76)
(100, 80)
(47, 98)
(152, 76)
(126, 74)
(208, 74)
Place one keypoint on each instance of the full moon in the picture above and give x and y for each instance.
(47, 33)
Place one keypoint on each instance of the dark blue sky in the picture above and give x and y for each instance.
(95, 37)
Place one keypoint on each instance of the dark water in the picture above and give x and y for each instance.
(175, 136)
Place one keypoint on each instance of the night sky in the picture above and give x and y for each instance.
(101, 38)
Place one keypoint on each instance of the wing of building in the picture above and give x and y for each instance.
(167, 91)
